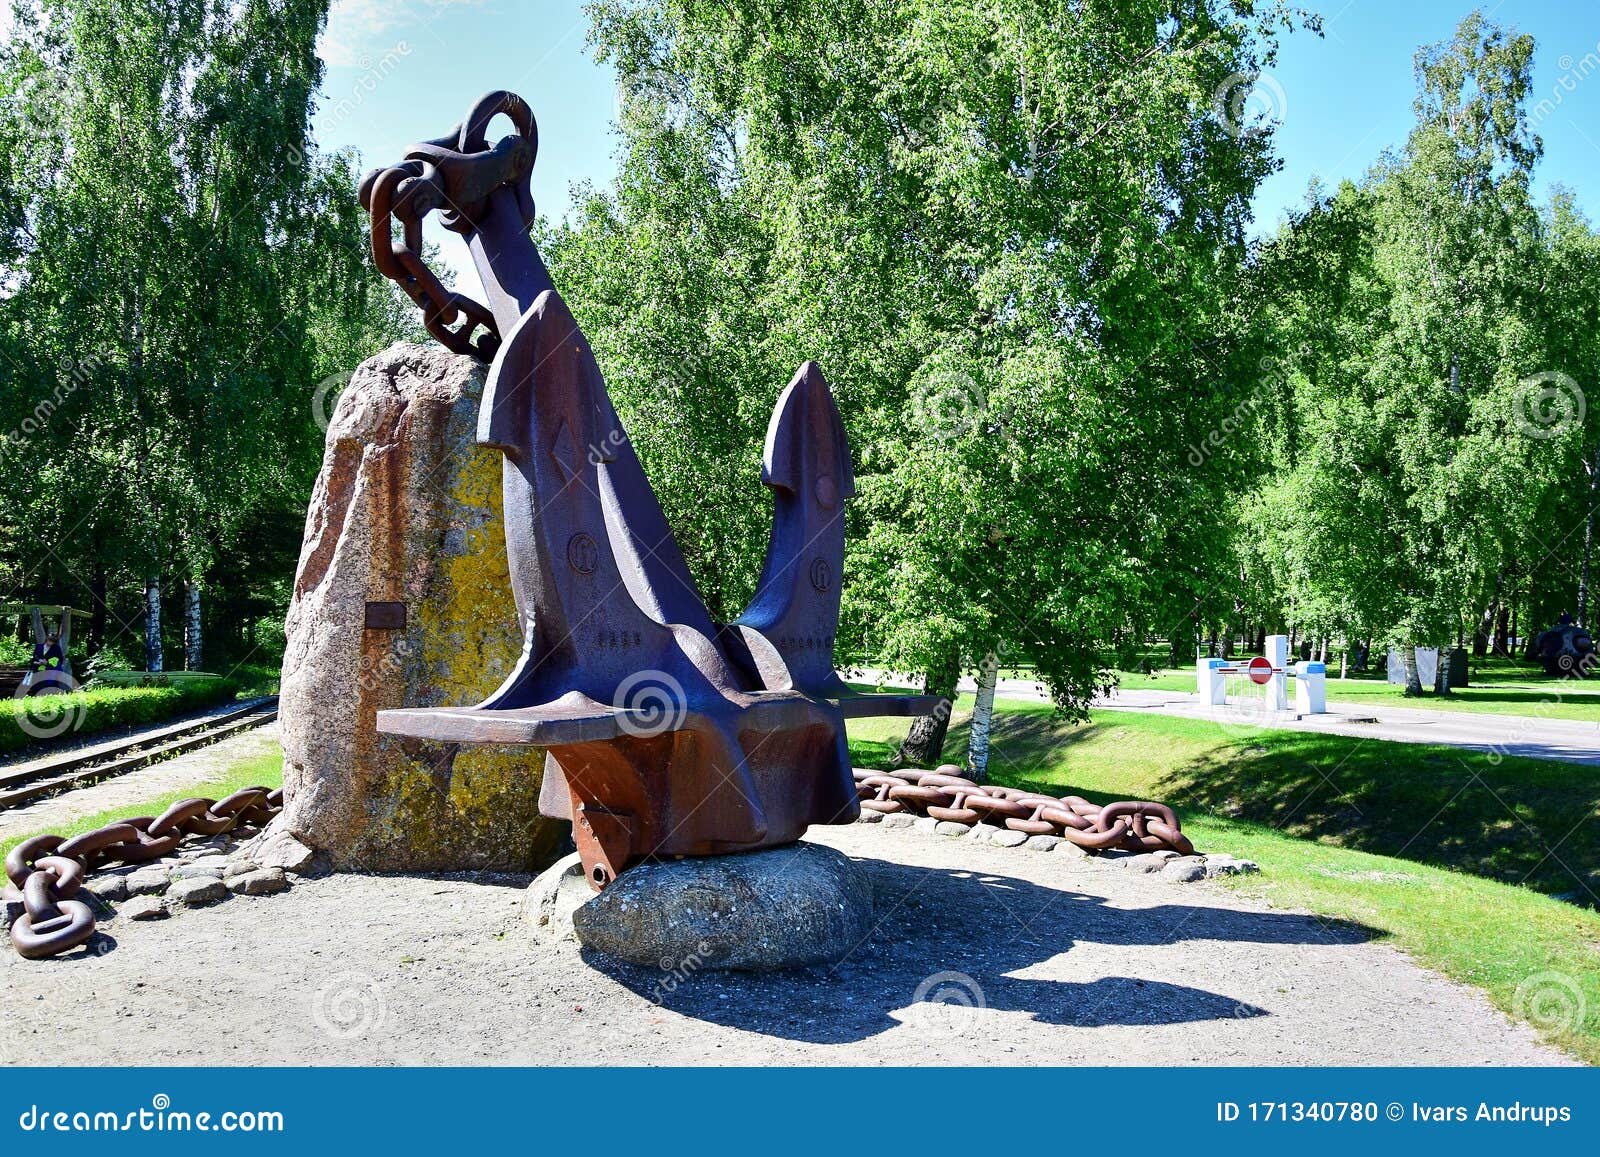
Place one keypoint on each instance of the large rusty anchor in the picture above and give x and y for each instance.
(667, 734)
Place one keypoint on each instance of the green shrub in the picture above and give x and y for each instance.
(14, 652)
(99, 708)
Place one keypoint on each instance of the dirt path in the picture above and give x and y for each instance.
(1037, 958)
(175, 774)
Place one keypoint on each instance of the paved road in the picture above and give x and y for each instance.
(1568, 740)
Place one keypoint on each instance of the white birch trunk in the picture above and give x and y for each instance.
(982, 719)
(152, 624)
(191, 626)
(1408, 659)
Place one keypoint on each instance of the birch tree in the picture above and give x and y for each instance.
(1011, 236)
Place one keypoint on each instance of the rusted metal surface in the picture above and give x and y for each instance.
(1131, 825)
(667, 733)
(47, 872)
(384, 616)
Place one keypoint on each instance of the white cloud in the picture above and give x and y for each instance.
(356, 27)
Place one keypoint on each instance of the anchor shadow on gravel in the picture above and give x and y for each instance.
(942, 946)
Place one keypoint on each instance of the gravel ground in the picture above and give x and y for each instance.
(175, 774)
(980, 955)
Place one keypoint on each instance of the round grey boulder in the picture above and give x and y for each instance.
(786, 907)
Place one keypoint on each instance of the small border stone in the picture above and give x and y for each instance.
(1184, 871)
(199, 870)
(261, 882)
(197, 892)
(108, 887)
(148, 881)
(143, 908)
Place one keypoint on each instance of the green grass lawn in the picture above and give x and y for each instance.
(1496, 687)
(265, 770)
(1450, 856)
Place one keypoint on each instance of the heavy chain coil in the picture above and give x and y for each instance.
(455, 174)
(46, 872)
(1135, 826)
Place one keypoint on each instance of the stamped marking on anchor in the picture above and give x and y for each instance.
(821, 575)
(582, 553)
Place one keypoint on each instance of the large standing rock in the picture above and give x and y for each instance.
(406, 510)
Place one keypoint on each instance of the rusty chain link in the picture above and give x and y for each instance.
(1135, 826)
(46, 872)
(455, 174)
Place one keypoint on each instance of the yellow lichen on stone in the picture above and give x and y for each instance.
(469, 639)
(468, 625)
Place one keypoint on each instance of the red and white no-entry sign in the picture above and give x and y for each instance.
(1260, 670)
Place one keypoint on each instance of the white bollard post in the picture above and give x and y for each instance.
(1278, 688)
(1311, 688)
(1210, 683)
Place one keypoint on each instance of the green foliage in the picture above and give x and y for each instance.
(1013, 260)
(183, 268)
(99, 708)
(1418, 476)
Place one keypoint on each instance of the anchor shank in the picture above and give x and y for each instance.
(507, 260)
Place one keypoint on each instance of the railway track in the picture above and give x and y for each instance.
(23, 782)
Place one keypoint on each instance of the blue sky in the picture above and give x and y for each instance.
(400, 70)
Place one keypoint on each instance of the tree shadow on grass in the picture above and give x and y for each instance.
(1512, 820)
(1500, 816)
(946, 941)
